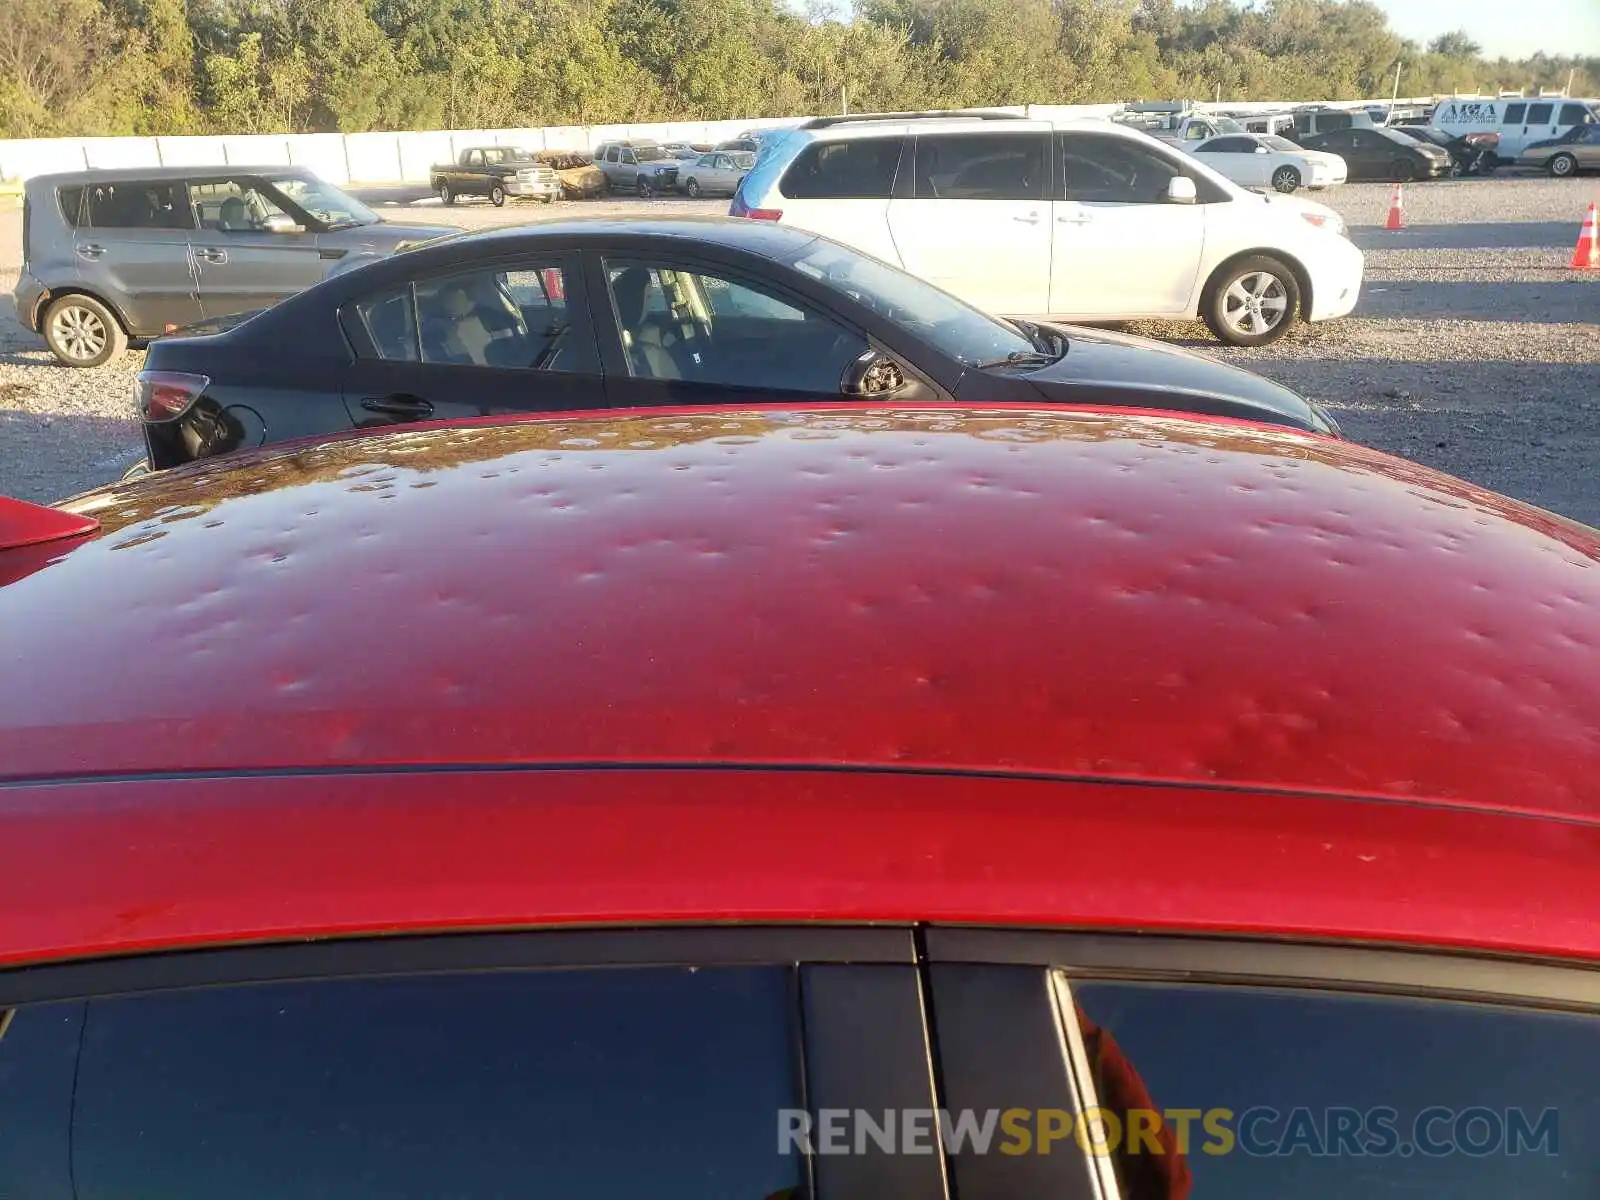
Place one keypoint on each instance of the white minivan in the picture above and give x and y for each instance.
(1518, 121)
(1081, 220)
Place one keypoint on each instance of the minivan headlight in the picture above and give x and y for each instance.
(1332, 222)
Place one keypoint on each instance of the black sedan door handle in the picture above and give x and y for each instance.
(400, 405)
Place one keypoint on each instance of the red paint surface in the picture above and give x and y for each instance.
(1113, 596)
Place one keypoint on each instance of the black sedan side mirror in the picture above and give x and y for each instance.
(873, 376)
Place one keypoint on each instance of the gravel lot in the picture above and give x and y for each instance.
(1473, 349)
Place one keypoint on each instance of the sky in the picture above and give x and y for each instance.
(1515, 29)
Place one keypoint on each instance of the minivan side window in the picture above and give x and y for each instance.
(1327, 1095)
(858, 169)
(956, 166)
(137, 205)
(662, 1082)
(1539, 114)
(1514, 113)
(1106, 169)
(1573, 114)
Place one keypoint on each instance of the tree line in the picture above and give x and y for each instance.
(98, 67)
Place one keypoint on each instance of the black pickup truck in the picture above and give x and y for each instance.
(495, 172)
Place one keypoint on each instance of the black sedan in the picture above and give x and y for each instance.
(1382, 153)
(588, 314)
(1472, 154)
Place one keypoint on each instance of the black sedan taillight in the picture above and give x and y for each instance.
(166, 395)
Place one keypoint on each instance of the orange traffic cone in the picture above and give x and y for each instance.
(1397, 209)
(1587, 256)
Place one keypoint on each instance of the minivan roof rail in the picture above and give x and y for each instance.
(938, 115)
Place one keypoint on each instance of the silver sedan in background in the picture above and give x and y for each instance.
(717, 173)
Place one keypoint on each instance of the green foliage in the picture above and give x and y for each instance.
(252, 66)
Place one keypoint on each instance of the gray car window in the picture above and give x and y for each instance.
(233, 206)
(138, 205)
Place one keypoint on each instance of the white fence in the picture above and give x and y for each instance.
(380, 158)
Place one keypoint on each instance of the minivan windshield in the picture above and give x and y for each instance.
(325, 202)
(952, 325)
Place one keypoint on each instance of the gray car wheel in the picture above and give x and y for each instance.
(1562, 165)
(693, 188)
(446, 196)
(82, 332)
(497, 196)
(642, 185)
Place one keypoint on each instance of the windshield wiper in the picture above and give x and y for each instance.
(1019, 358)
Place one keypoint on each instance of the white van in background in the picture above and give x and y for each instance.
(1075, 220)
(1518, 120)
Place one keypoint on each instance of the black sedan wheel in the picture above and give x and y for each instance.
(497, 196)
(1562, 166)
(1402, 170)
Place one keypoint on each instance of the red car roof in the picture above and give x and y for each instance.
(1106, 596)
(1098, 669)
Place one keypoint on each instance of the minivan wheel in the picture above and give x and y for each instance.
(446, 196)
(497, 196)
(1401, 170)
(1286, 179)
(82, 332)
(1562, 165)
(1251, 302)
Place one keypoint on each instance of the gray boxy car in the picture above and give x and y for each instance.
(109, 256)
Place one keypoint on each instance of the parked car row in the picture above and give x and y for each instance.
(649, 168)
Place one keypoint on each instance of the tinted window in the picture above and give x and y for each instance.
(134, 205)
(612, 154)
(679, 324)
(71, 201)
(515, 319)
(1335, 121)
(862, 168)
(1114, 170)
(1573, 114)
(597, 1083)
(1514, 113)
(1539, 114)
(38, 1056)
(1320, 1095)
(955, 327)
(390, 319)
(1009, 166)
